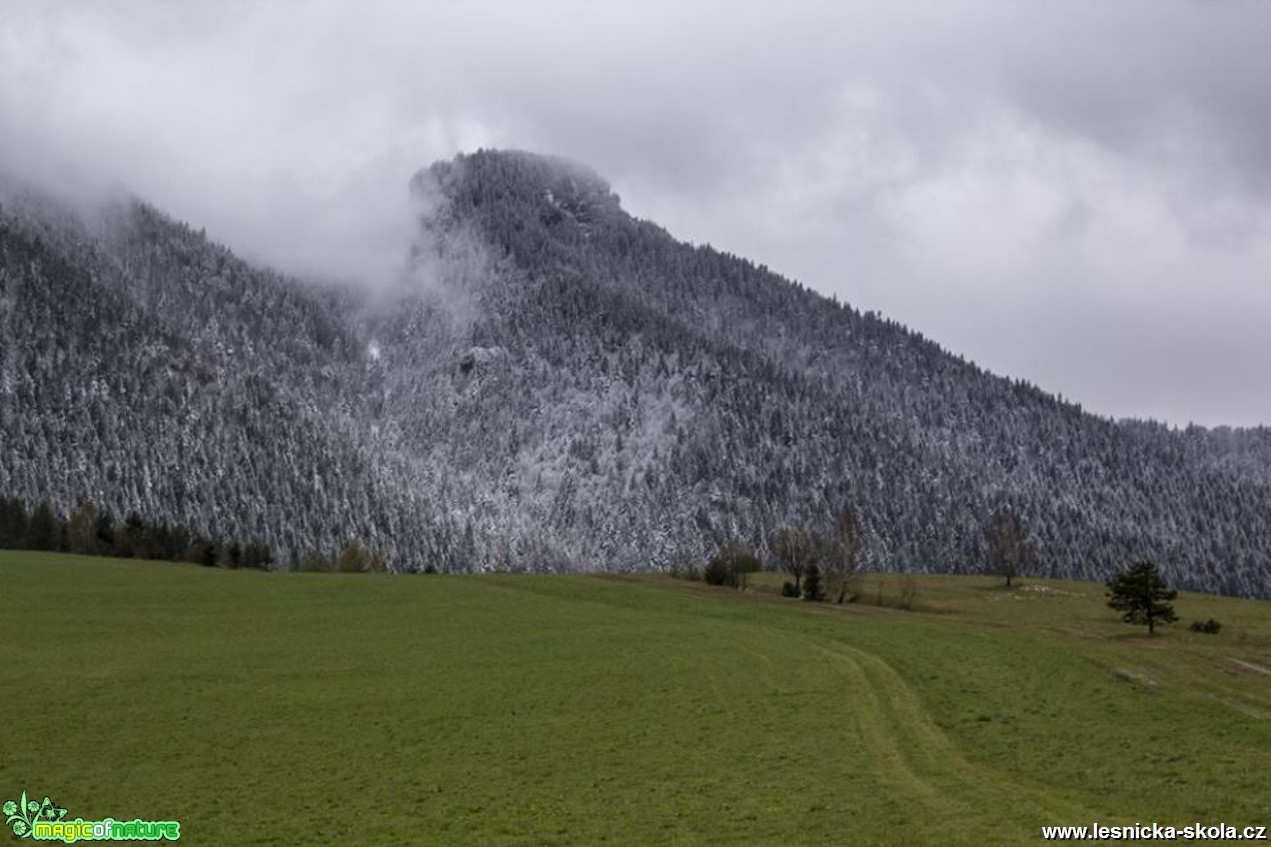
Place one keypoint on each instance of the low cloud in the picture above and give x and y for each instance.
(1077, 194)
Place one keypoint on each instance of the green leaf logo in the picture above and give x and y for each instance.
(21, 814)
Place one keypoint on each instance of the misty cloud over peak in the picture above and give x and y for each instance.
(528, 171)
(1075, 193)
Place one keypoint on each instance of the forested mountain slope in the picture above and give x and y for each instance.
(556, 385)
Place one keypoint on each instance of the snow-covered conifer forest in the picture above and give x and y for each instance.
(556, 385)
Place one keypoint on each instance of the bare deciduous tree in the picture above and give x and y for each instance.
(795, 549)
(1009, 550)
(841, 561)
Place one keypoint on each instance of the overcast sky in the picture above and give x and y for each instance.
(1076, 193)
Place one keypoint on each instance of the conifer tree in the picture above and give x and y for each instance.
(812, 584)
(13, 522)
(1143, 595)
(42, 531)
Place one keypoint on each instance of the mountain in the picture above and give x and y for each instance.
(557, 385)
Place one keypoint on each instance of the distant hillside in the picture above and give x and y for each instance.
(557, 385)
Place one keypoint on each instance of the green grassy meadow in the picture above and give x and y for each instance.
(279, 709)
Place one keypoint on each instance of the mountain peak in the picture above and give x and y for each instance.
(519, 177)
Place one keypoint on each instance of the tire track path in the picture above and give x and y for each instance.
(915, 758)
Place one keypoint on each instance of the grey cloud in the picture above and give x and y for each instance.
(1054, 167)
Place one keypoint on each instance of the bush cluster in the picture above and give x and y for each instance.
(730, 565)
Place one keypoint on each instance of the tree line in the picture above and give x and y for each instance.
(822, 567)
(91, 531)
(825, 567)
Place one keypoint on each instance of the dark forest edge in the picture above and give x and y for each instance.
(91, 531)
(824, 567)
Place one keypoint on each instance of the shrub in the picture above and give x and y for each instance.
(717, 572)
(730, 565)
(358, 559)
(789, 589)
(315, 562)
(907, 598)
(1209, 627)
(688, 572)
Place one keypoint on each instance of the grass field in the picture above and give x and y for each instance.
(280, 709)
